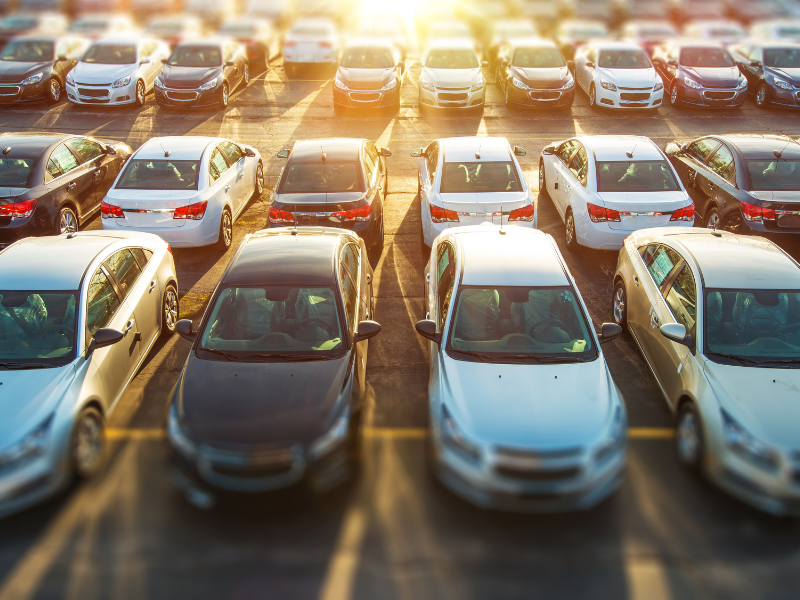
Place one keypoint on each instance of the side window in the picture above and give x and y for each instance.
(682, 300)
(445, 267)
(369, 168)
(348, 271)
(701, 148)
(433, 160)
(565, 151)
(579, 165)
(85, 149)
(52, 171)
(232, 152)
(591, 55)
(745, 51)
(372, 152)
(148, 49)
(721, 162)
(141, 258)
(63, 159)
(757, 54)
(125, 269)
(227, 53)
(102, 302)
(61, 49)
(216, 165)
(660, 262)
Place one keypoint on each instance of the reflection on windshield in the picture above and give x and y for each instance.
(538, 58)
(36, 326)
(782, 58)
(106, 54)
(635, 176)
(464, 178)
(706, 57)
(159, 175)
(452, 59)
(774, 175)
(14, 172)
(195, 56)
(367, 58)
(322, 177)
(623, 59)
(28, 51)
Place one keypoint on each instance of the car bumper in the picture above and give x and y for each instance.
(607, 99)
(188, 98)
(701, 97)
(14, 92)
(366, 98)
(543, 98)
(369, 231)
(123, 95)
(11, 231)
(775, 493)
(783, 97)
(462, 98)
(192, 234)
(600, 236)
(30, 484)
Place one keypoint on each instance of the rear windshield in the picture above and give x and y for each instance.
(106, 54)
(452, 59)
(461, 178)
(236, 29)
(782, 58)
(636, 176)
(89, 25)
(310, 31)
(706, 57)
(321, 178)
(144, 174)
(538, 58)
(15, 172)
(28, 51)
(196, 56)
(367, 58)
(623, 59)
(774, 175)
(166, 28)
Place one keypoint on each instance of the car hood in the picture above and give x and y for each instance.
(791, 75)
(546, 406)
(103, 74)
(27, 397)
(17, 71)
(717, 76)
(544, 78)
(259, 403)
(187, 77)
(452, 78)
(777, 196)
(766, 402)
(630, 77)
(372, 79)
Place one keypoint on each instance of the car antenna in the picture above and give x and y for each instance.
(324, 156)
(501, 221)
(478, 153)
(6, 150)
(778, 155)
(630, 152)
(166, 152)
(294, 218)
(714, 231)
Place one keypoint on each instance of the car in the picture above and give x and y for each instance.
(618, 76)
(742, 183)
(772, 69)
(81, 312)
(384, 29)
(176, 29)
(118, 70)
(648, 34)
(187, 190)
(203, 73)
(448, 30)
(310, 42)
(784, 29)
(749, 11)
(544, 13)
(534, 73)
(573, 34)
(594, 10)
(686, 11)
(505, 31)
(604, 187)
(700, 73)
(53, 182)
(259, 36)
(505, 321)
(369, 75)
(652, 11)
(35, 68)
(451, 77)
(98, 25)
(717, 318)
(333, 183)
(31, 23)
(720, 30)
(466, 181)
(293, 308)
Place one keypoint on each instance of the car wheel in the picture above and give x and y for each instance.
(542, 178)
(689, 437)
(224, 101)
(377, 247)
(140, 93)
(570, 237)
(290, 71)
(761, 96)
(225, 230)
(620, 305)
(66, 221)
(592, 97)
(508, 100)
(674, 95)
(713, 219)
(53, 91)
(88, 444)
(246, 78)
(258, 187)
(171, 310)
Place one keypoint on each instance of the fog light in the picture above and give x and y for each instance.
(123, 98)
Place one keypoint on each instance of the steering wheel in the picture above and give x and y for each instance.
(325, 325)
(546, 323)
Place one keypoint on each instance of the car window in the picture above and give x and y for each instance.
(636, 176)
(348, 261)
(102, 302)
(227, 52)
(433, 160)
(125, 269)
(232, 152)
(61, 49)
(479, 177)
(63, 161)
(141, 257)
(217, 165)
(682, 299)
(660, 262)
(579, 165)
(565, 150)
(15, 172)
(86, 149)
(445, 266)
(721, 162)
(323, 177)
(372, 152)
(701, 148)
(369, 167)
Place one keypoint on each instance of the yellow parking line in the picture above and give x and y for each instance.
(651, 433)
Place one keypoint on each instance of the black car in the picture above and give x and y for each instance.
(742, 183)
(369, 76)
(333, 183)
(273, 390)
(15, 25)
(258, 36)
(35, 68)
(535, 74)
(202, 74)
(50, 183)
(701, 74)
(772, 70)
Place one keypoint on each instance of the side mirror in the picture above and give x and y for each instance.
(684, 147)
(589, 63)
(755, 63)
(418, 152)
(184, 329)
(164, 61)
(283, 154)
(519, 151)
(549, 150)
(110, 150)
(672, 63)
(384, 152)
(103, 338)
(427, 329)
(144, 61)
(571, 65)
(366, 330)
(229, 63)
(609, 331)
(676, 333)
(249, 152)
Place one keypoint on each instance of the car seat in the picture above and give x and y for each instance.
(478, 316)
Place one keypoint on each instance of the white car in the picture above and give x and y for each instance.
(310, 42)
(605, 187)
(786, 29)
(524, 414)
(449, 30)
(717, 317)
(618, 75)
(472, 181)
(96, 25)
(117, 70)
(451, 76)
(721, 30)
(80, 313)
(186, 190)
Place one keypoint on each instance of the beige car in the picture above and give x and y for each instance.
(717, 318)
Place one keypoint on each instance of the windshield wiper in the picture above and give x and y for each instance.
(288, 357)
(741, 359)
(230, 356)
(500, 357)
(480, 355)
(782, 361)
(32, 365)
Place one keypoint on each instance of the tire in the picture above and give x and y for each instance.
(761, 96)
(620, 305)
(140, 94)
(225, 230)
(542, 179)
(258, 186)
(713, 219)
(570, 237)
(592, 97)
(66, 221)
(689, 437)
(87, 446)
(246, 78)
(377, 249)
(225, 96)
(53, 91)
(290, 71)
(170, 310)
(675, 98)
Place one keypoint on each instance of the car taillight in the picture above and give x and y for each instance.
(169, 248)
(109, 211)
(325, 44)
(443, 215)
(754, 213)
(362, 213)
(289, 44)
(18, 210)
(598, 214)
(193, 212)
(683, 214)
(280, 217)
(522, 214)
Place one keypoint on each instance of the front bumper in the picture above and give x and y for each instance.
(553, 98)
(29, 484)
(12, 230)
(452, 98)
(714, 98)
(775, 493)
(16, 92)
(628, 99)
(781, 97)
(188, 98)
(93, 94)
(366, 98)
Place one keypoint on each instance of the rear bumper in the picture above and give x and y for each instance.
(192, 234)
(369, 231)
(600, 236)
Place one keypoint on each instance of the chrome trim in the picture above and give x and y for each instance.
(644, 214)
(11, 86)
(162, 211)
(537, 91)
(351, 92)
(195, 92)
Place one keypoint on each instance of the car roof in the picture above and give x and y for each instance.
(755, 146)
(369, 42)
(339, 149)
(452, 43)
(614, 147)
(465, 148)
(616, 45)
(520, 256)
(282, 257)
(205, 42)
(179, 147)
(30, 144)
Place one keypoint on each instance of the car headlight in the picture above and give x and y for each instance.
(70, 79)
(784, 85)
(739, 441)
(122, 82)
(179, 440)
(339, 83)
(331, 439)
(692, 84)
(659, 86)
(742, 84)
(389, 86)
(208, 85)
(615, 439)
(570, 84)
(477, 86)
(454, 437)
(32, 445)
(426, 85)
(159, 84)
(33, 79)
(608, 85)
(518, 84)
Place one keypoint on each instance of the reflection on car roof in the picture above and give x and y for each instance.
(336, 149)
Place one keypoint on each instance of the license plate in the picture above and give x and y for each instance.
(788, 220)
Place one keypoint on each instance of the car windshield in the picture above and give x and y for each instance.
(14, 172)
(196, 56)
(36, 328)
(789, 32)
(782, 58)
(762, 326)
(582, 32)
(623, 59)
(538, 58)
(106, 54)
(706, 57)
(471, 177)
(323, 178)
(451, 59)
(146, 174)
(774, 175)
(251, 323)
(310, 31)
(636, 176)
(89, 25)
(165, 28)
(238, 29)
(523, 322)
(367, 58)
(28, 51)
(17, 23)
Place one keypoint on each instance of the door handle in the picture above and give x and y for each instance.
(556, 185)
(98, 172)
(71, 185)
(654, 319)
(636, 279)
(128, 327)
(427, 277)
(228, 187)
(152, 285)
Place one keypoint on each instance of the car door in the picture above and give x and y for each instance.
(222, 179)
(691, 162)
(242, 177)
(563, 156)
(752, 67)
(575, 193)
(349, 276)
(103, 168)
(70, 181)
(148, 65)
(719, 185)
(445, 282)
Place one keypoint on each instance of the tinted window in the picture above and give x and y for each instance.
(348, 270)
(660, 262)
(232, 152)
(774, 175)
(144, 174)
(782, 58)
(452, 59)
(37, 325)
(580, 165)
(479, 177)
(322, 177)
(635, 176)
(141, 257)
(102, 302)
(367, 58)
(63, 161)
(123, 266)
(706, 57)
(106, 54)
(623, 59)
(701, 148)
(14, 172)
(86, 149)
(433, 159)
(28, 51)
(538, 58)
(565, 151)
(721, 162)
(446, 266)
(682, 299)
(196, 56)
(217, 165)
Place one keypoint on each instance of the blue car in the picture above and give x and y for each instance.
(772, 70)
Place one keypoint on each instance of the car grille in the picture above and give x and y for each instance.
(99, 93)
(96, 100)
(719, 95)
(634, 97)
(545, 95)
(524, 454)
(546, 85)
(251, 462)
(529, 474)
(637, 88)
(453, 97)
(9, 90)
(365, 96)
(181, 95)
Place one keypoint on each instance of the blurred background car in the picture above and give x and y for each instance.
(258, 35)
(593, 10)
(99, 25)
(534, 73)
(772, 70)
(683, 11)
(505, 31)
(544, 13)
(19, 24)
(786, 29)
(310, 42)
(748, 11)
(573, 34)
(647, 34)
(451, 76)
(176, 29)
(370, 75)
(722, 31)
(386, 30)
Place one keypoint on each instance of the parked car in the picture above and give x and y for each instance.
(717, 318)
(386, 30)
(595, 10)
(553, 438)
(648, 34)
(176, 29)
(749, 11)
(31, 23)
(118, 70)
(772, 69)
(202, 74)
(333, 183)
(451, 77)
(370, 75)
(472, 181)
(293, 309)
(683, 11)
(571, 35)
(783, 29)
(448, 30)
(259, 36)
(187, 190)
(310, 42)
(617, 75)
(98, 25)
(642, 10)
(700, 73)
(604, 187)
(80, 314)
(719, 30)
(534, 73)
(505, 31)
(51, 183)
(742, 183)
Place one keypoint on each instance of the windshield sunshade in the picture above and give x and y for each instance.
(321, 178)
(452, 59)
(106, 54)
(636, 176)
(774, 175)
(461, 178)
(37, 327)
(143, 174)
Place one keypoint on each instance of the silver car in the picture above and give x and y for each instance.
(717, 318)
(78, 315)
